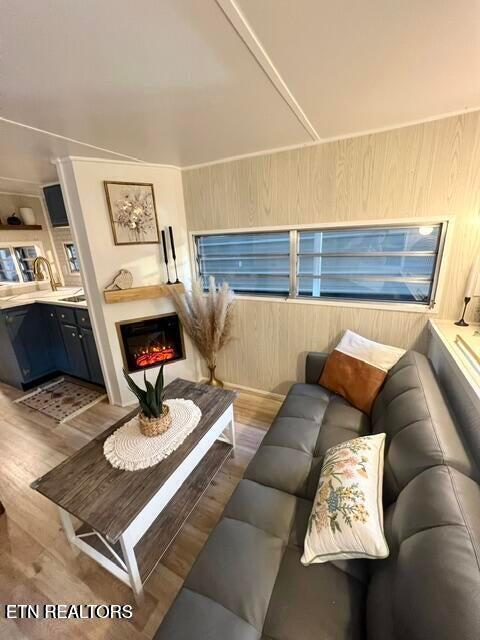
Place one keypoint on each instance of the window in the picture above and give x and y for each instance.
(376, 263)
(8, 271)
(25, 258)
(251, 263)
(72, 257)
(383, 263)
(16, 263)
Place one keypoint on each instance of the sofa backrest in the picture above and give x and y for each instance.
(429, 586)
(421, 433)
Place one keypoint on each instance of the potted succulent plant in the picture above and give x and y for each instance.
(154, 416)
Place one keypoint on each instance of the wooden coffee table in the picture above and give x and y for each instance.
(129, 518)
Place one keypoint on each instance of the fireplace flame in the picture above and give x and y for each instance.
(153, 355)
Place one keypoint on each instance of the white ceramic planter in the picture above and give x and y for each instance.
(27, 215)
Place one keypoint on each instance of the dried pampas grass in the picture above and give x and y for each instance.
(206, 317)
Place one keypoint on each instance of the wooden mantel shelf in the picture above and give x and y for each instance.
(20, 227)
(141, 293)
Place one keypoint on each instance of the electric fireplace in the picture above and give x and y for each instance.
(149, 342)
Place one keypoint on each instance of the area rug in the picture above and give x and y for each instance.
(128, 449)
(62, 399)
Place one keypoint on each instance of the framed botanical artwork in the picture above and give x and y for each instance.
(131, 206)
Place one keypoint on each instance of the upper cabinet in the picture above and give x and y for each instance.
(56, 205)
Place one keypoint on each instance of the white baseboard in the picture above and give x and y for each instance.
(256, 392)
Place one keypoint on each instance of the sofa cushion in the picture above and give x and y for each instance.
(282, 468)
(315, 602)
(421, 432)
(195, 616)
(311, 391)
(336, 593)
(430, 586)
(237, 569)
(380, 621)
(295, 433)
(310, 421)
(265, 508)
(428, 501)
(280, 514)
(251, 566)
(437, 593)
(301, 405)
(340, 422)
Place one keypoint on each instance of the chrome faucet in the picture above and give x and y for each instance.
(39, 275)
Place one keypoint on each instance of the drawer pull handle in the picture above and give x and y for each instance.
(73, 334)
(62, 315)
(51, 315)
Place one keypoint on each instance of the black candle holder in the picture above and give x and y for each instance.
(174, 255)
(461, 322)
(165, 256)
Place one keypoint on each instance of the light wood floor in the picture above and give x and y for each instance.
(38, 566)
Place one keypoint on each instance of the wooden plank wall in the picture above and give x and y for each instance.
(425, 170)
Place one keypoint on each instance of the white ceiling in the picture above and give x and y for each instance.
(363, 65)
(191, 81)
(29, 154)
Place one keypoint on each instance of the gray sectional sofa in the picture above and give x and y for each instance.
(248, 582)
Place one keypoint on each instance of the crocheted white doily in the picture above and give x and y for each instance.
(127, 448)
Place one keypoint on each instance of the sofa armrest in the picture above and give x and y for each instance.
(314, 366)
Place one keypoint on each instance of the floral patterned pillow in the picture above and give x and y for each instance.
(347, 514)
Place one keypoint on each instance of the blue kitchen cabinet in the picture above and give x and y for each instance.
(55, 205)
(91, 355)
(77, 362)
(80, 346)
(56, 346)
(39, 340)
(25, 347)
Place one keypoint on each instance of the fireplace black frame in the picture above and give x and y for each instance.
(126, 365)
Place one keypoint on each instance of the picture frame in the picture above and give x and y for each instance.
(132, 211)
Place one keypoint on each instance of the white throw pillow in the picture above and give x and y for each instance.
(347, 515)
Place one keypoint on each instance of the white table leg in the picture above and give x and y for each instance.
(69, 529)
(231, 433)
(132, 569)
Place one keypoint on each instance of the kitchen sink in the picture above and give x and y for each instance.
(73, 299)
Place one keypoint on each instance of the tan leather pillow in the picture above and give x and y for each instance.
(357, 368)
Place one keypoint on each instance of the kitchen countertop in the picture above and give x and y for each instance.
(45, 297)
